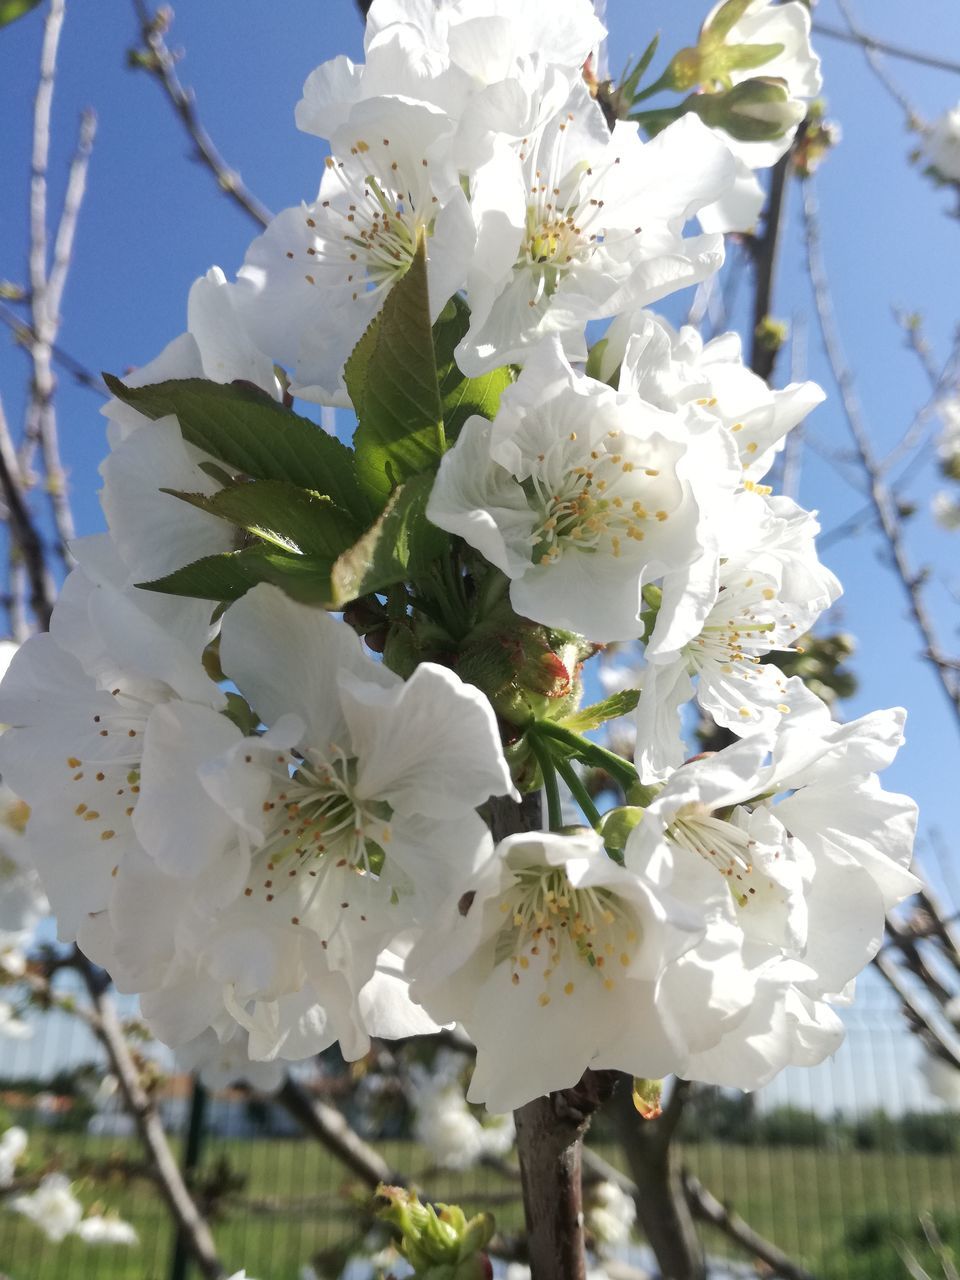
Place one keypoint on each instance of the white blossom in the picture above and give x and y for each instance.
(13, 1143)
(609, 1213)
(53, 1207)
(583, 496)
(577, 223)
(551, 934)
(941, 145)
(106, 1230)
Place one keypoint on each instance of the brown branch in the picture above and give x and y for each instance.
(41, 423)
(708, 1208)
(881, 500)
(661, 1203)
(193, 1227)
(161, 64)
(23, 333)
(327, 1125)
(933, 1037)
(765, 250)
(885, 46)
(25, 534)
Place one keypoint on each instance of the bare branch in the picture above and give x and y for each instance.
(67, 227)
(885, 46)
(23, 333)
(881, 500)
(933, 1037)
(161, 64)
(708, 1208)
(193, 1227)
(766, 253)
(24, 531)
(328, 1126)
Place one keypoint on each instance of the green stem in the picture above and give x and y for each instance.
(548, 769)
(579, 792)
(651, 89)
(590, 752)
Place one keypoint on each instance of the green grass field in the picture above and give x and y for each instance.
(296, 1201)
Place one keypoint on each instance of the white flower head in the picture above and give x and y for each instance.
(53, 1207)
(107, 1229)
(583, 496)
(549, 935)
(941, 145)
(788, 835)
(13, 1143)
(311, 284)
(576, 223)
(357, 808)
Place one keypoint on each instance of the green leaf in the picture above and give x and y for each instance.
(10, 10)
(231, 574)
(461, 397)
(392, 380)
(293, 519)
(630, 82)
(618, 704)
(254, 435)
(400, 545)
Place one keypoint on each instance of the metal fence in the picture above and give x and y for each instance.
(830, 1164)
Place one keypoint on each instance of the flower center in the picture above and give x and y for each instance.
(598, 506)
(320, 826)
(720, 843)
(550, 923)
(372, 227)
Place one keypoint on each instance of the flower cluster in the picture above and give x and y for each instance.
(287, 699)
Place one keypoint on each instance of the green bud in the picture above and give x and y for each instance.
(641, 795)
(771, 334)
(684, 71)
(757, 110)
(438, 1241)
(646, 1098)
(617, 825)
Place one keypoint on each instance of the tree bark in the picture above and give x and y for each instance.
(662, 1205)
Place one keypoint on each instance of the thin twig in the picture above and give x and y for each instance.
(881, 500)
(161, 64)
(885, 46)
(139, 1104)
(72, 200)
(328, 1126)
(23, 333)
(933, 1037)
(708, 1208)
(871, 53)
(766, 253)
(25, 534)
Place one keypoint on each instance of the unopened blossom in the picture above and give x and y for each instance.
(670, 368)
(788, 834)
(796, 64)
(609, 1213)
(576, 223)
(551, 935)
(941, 145)
(53, 1207)
(583, 496)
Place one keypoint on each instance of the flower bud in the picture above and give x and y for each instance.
(439, 1242)
(755, 110)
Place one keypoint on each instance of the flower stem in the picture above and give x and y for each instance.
(590, 752)
(579, 792)
(550, 787)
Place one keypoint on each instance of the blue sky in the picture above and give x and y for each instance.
(154, 221)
